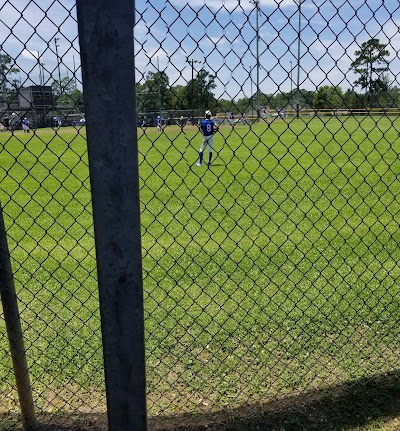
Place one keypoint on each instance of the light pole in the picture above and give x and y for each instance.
(251, 85)
(41, 79)
(298, 62)
(257, 7)
(291, 81)
(56, 39)
(73, 59)
(41, 65)
(159, 86)
(192, 61)
(41, 71)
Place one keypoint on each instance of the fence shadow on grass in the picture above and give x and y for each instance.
(337, 407)
(333, 408)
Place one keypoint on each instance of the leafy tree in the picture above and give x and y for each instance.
(370, 64)
(381, 89)
(178, 97)
(141, 92)
(393, 97)
(141, 99)
(328, 97)
(62, 91)
(78, 100)
(223, 105)
(153, 95)
(6, 70)
(242, 106)
(279, 101)
(353, 100)
(306, 98)
(199, 93)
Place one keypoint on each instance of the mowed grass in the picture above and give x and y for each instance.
(273, 271)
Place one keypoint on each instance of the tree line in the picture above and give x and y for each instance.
(65, 92)
(154, 93)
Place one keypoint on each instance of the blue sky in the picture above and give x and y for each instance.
(27, 29)
(224, 33)
(219, 33)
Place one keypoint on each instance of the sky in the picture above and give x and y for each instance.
(218, 35)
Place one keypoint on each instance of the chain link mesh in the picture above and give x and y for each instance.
(270, 276)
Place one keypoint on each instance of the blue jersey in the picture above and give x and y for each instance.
(207, 127)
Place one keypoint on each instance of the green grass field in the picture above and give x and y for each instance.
(272, 272)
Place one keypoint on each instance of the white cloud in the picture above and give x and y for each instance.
(218, 40)
(165, 36)
(26, 54)
(237, 5)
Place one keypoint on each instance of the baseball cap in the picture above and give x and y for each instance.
(208, 113)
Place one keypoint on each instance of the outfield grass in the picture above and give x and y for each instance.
(276, 270)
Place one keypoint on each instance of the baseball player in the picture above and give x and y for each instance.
(25, 125)
(208, 128)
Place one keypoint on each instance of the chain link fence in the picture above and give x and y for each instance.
(270, 272)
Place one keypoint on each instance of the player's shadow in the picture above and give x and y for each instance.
(204, 166)
(216, 164)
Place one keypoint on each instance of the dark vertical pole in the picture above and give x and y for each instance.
(108, 73)
(40, 69)
(257, 3)
(192, 61)
(56, 39)
(159, 89)
(73, 59)
(298, 63)
(14, 332)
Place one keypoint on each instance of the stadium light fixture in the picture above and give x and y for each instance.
(56, 39)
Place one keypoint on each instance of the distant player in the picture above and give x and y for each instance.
(158, 122)
(208, 128)
(182, 122)
(232, 119)
(244, 118)
(6, 123)
(25, 125)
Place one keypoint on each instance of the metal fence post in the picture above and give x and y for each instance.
(14, 332)
(107, 53)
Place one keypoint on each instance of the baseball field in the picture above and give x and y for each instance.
(273, 272)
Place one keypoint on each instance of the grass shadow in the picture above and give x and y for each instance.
(357, 404)
(364, 404)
